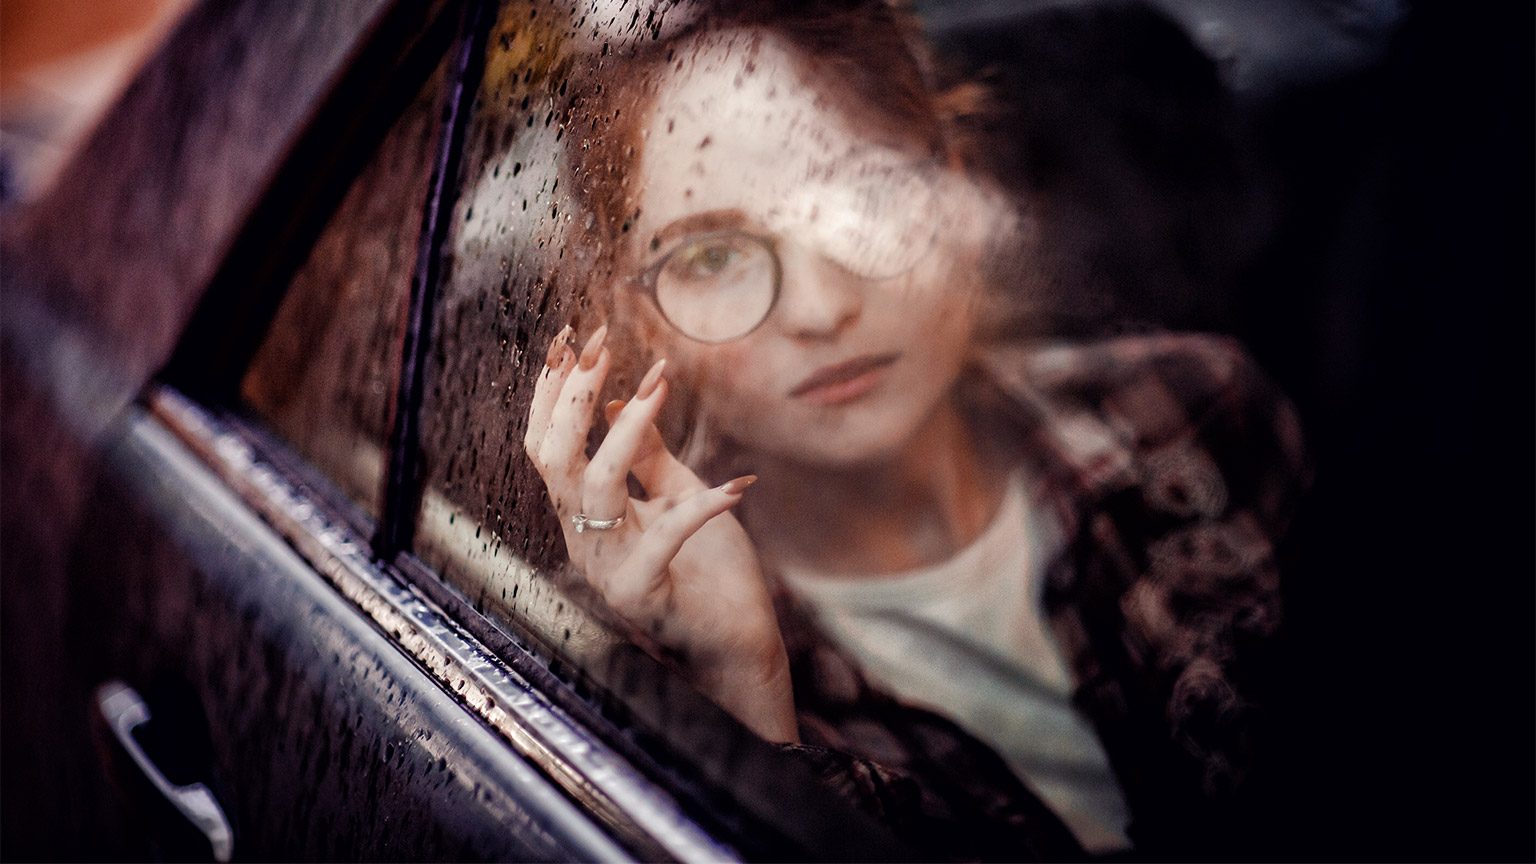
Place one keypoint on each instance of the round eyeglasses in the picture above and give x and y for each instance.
(716, 287)
(877, 223)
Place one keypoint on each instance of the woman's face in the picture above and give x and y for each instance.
(876, 248)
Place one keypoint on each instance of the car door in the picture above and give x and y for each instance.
(199, 651)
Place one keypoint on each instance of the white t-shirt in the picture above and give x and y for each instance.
(967, 639)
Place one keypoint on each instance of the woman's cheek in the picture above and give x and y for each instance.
(939, 327)
(729, 384)
(749, 393)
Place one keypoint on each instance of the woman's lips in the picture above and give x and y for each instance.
(843, 382)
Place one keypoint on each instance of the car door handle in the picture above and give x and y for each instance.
(125, 711)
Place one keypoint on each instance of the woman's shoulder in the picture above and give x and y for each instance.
(1115, 412)
(1182, 465)
(1194, 370)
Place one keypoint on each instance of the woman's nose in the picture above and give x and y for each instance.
(818, 299)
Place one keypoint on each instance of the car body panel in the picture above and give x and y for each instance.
(329, 742)
(99, 277)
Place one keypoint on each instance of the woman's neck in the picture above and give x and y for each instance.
(915, 508)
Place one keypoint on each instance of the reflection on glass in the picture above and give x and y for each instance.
(324, 376)
(795, 434)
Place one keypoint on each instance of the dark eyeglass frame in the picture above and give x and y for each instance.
(646, 279)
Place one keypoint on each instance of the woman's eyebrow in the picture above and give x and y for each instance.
(694, 223)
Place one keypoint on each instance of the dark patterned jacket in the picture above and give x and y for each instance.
(1175, 466)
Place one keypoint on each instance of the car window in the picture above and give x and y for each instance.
(511, 283)
(325, 375)
(896, 282)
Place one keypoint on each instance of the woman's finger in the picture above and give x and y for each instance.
(644, 572)
(562, 452)
(650, 445)
(647, 512)
(660, 473)
(612, 409)
(605, 482)
(558, 363)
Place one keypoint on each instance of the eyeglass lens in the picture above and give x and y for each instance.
(718, 287)
(878, 222)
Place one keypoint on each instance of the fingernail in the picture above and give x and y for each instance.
(651, 379)
(612, 409)
(739, 485)
(594, 348)
(557, 348)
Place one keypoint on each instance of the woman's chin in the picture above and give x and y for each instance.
(856, 443)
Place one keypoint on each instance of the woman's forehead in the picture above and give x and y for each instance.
(745, 91)
(736, 124)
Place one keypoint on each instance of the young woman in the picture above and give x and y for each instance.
(873, 523)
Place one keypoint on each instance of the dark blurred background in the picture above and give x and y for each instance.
(1346, 187)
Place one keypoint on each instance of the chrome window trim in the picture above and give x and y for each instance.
(237, 565)
(643, 816)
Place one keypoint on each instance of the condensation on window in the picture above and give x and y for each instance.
(921, 286)
(324, 377)
(883, 283)
(513, 279)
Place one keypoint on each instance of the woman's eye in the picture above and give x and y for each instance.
(708, 260)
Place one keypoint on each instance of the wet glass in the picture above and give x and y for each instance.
(324, 377)
(764, 345)
(512, 279)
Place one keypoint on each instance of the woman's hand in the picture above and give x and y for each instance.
(678, 566)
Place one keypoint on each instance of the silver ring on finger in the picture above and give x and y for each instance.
(583, 522)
